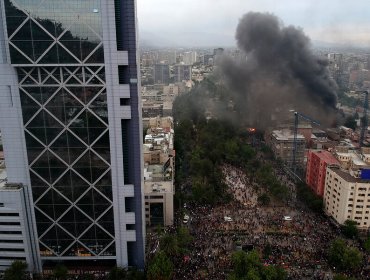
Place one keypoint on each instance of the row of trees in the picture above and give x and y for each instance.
(173, 246)
(311, 200)
(203, 146)
(265, 176)
(248, 266)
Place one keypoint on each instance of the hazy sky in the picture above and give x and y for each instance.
(213, 22)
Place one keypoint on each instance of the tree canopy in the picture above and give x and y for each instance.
(343, 257)
(16, 271)
(249, 266)
(160, 268)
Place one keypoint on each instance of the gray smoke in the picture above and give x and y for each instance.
(280, 73)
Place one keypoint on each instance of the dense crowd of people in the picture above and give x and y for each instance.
(298, 244)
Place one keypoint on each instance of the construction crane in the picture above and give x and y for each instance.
(364, 119)
(296, 121)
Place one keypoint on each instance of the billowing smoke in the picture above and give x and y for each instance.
(280, 73)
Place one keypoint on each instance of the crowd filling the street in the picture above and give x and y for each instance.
(285, 234)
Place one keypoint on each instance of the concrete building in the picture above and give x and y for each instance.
(170, 92)
(281, 143)
(166, 123)
(159, 203)
(189, 58)
(159, 158)
(152, 110)
(317, 162)
(347, 188)
(347, 197)
(70, 118)
(161, 74)
(166, 56)
(15, 225)
(182, 72)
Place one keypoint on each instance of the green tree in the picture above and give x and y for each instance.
(352, 259)
(183, 237)
(343, 277)
(117, 273)
(134, 274)
(16, 271)
(60, 272)
(169, 244)
(367, 245)
(252, 275)
(249, 266)
(343, 257)
(349, 229)
(160, 267)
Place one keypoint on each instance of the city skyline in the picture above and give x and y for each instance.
(211, 23)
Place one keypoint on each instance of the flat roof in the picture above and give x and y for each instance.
(326, 156)
(286, 135)
(347, 176)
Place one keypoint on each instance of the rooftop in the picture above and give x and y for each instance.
(326, 156)
(347, 176)
(286, 135)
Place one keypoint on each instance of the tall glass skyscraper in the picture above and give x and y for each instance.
(71, 127)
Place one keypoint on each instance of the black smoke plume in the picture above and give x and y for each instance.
(280, 73)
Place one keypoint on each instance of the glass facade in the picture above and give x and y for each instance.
(57, 49)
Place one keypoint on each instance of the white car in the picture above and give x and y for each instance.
(186, 219)
(228, 219)
(287, 218)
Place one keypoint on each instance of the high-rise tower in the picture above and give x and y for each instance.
(71, 124)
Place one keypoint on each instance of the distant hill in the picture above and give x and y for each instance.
(185, 39)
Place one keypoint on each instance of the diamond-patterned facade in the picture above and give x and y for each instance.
(60, 64)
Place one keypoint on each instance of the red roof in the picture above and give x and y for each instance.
(326, 156)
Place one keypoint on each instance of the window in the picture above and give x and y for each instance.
(124, 101)
(11, 241)
(10, 232)
(130, 226)
(156, 196)
(123, 74)
(9, 214)
(129, 204)
(131, 253)
(12, 249)
(10, 223)
(1, 204)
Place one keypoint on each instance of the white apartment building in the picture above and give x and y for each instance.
(347, 197)
(15, 242)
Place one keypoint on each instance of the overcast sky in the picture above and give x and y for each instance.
(213, 22)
